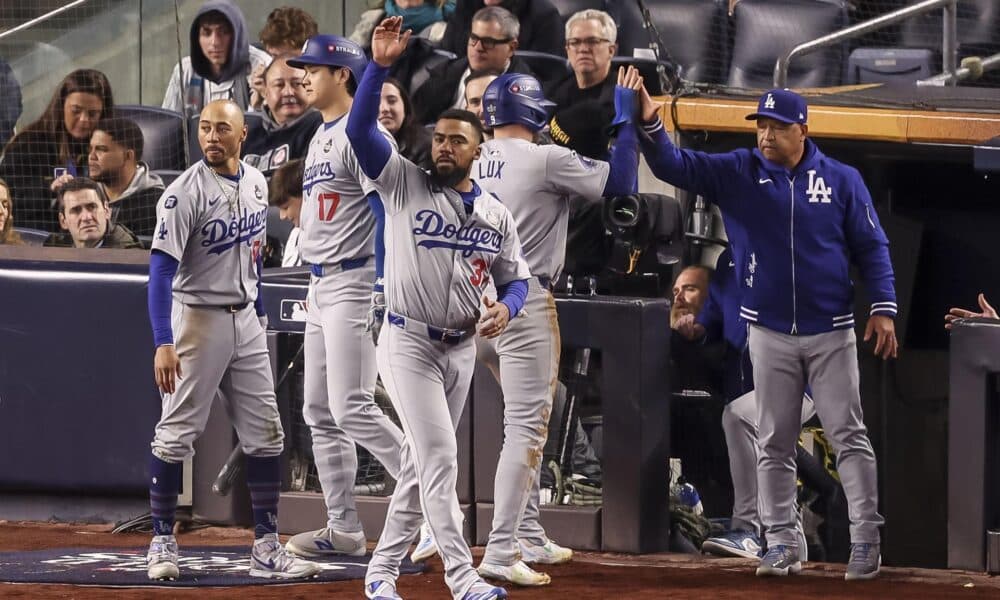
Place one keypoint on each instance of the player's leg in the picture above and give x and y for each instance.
(205, 347)
(334, 452)
(833, 376)
(248, 388)
(779, 379)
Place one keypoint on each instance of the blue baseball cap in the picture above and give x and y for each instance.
(782, 105)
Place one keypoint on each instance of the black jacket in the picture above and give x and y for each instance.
(541, 26)
(565, 93)
(274, 145)
(29, 166)
(438, 93)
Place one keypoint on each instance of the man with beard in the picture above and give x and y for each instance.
(288, 123)
(445, 240)
(697, 366)
(115, 161)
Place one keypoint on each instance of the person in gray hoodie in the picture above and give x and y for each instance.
(221, 61)
(115, 161)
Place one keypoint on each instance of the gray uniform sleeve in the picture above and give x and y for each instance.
(392, 181)
(509, 264)
(176, 218)
(570, 173)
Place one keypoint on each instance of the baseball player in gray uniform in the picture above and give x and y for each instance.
(208, 326)
(536, 183)
(338, 231)
(445, 239)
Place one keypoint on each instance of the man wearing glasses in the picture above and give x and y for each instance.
(590, 44)
(491, 46)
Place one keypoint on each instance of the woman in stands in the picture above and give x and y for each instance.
(395, 113)
(38, 159)
(7, 233)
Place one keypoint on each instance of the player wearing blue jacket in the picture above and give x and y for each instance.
(805, 218)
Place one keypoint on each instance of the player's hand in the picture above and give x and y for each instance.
(885, 336)
(257, 87)
(376, 315)
(648, 108)
(494, 320)
(388, 41)
(166, 368)
(629, 78)
(960, 313)
(689, 328)
(60, 181)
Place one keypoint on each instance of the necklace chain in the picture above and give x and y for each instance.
(233, 200)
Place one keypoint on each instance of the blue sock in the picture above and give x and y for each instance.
(264, 481)
(164, 485)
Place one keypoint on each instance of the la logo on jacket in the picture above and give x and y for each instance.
(818, 192)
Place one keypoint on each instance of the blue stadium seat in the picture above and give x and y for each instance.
(766, 29)
(978, 27)
(255, 126)
(546, 67)
(694, 32)
(889, 65)
(162, 132)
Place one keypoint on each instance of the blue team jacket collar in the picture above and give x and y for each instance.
(810, 158)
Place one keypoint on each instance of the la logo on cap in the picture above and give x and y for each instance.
(769, 102)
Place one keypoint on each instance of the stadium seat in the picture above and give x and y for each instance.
(766, 29)
(162, 132)
(422, 73)
(889, 65)
(255, 126)
(694, 32)
(32, 237)
(546, 67)
(167, 176)
(978, 27)
(567, 8)
(648, 68)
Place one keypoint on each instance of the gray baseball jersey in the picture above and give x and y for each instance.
(438, 260)
(215, 228)
(535, 183)
(336, 221)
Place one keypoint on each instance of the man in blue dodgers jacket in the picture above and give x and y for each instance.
(804, 216)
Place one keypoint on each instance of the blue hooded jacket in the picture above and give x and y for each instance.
(802, 229)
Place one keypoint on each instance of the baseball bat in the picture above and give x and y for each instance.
(581, 365)
(234, 464)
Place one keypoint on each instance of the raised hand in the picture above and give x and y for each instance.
(630, 78)
(388, 42)
(647, 106)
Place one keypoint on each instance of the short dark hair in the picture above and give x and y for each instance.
(79, 184)
(479, 73)
(286, 182)
(125, 133)
(214, 17)
(457, 114)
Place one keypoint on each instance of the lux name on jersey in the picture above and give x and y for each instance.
(468, 238)
(492, 169)
(221, 235)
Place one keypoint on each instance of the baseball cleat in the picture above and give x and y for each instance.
(269, 559)
(484, 591)
(327, 542)
(744, 544)
(161, 559)
(517, 573)
(779, 561)
(426, 547)
(865, 562)
(549, 553)
(381, 590)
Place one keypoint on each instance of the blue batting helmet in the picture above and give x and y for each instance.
(515, 98)
(332, 51)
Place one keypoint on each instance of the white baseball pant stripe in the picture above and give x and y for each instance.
(339, 386)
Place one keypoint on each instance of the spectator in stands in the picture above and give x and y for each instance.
(221, 61)
(425, 18)
(590, 44)
(85, 215)
(285, 31)
(988, 312)
(116, 163)
(395, 113)
(541, 25)
(286, 194)
(696, 366)
(10, 102)
(37, 160)
(7, 233)
(475, 87)
(289, 123)
(491, 45)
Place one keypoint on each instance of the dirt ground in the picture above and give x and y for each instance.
(590, 576)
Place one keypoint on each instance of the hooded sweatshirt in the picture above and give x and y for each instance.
(200, 85)
(135, 208)
(275, 144)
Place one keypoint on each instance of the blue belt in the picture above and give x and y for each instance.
(438, 334)
(344, 265)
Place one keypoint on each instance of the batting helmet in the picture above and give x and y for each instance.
(332, 51)
(515, 98)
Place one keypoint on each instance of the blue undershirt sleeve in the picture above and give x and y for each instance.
(162, 269)
(258, 304)
(378, 210)
(513, 294)
(372, 149)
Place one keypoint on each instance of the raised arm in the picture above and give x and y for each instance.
(624, 161)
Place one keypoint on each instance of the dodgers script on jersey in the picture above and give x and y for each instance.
(536, 183)
(438, 261)
(336, 221)
(217, 247)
